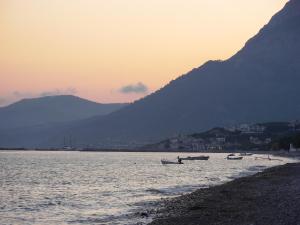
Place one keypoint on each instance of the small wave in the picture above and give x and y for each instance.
(155, 191)
(176, 190)
(256, 168)
(213, 179)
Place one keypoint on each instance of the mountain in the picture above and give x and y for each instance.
(51, 109)
(260, 83)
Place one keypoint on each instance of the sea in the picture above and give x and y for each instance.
(44, 187)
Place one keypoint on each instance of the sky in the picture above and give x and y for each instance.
(117, 50)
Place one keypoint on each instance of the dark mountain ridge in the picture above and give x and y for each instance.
(51, 109)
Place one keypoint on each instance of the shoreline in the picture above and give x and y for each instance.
(275, 153)
(268, 197)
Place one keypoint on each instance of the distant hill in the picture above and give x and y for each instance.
(51, 109)
(258, 84)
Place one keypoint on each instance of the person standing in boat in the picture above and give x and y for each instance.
(179, 160)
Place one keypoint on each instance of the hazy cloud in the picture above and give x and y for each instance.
(2, 101)
(134, 88)
(68, 91)
(19, 94)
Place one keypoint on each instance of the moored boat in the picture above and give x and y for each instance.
(202, 157)
(234, 157)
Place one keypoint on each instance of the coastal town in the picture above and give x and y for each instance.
(249, 137)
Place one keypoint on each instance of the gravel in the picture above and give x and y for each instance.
(271, 197)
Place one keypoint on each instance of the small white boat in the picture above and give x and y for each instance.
(166, 162)
(234, 157)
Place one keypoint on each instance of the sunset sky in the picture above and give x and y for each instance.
(117, 50)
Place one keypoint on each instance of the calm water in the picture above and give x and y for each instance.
(102, 188)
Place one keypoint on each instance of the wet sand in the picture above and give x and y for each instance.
(269, 197)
